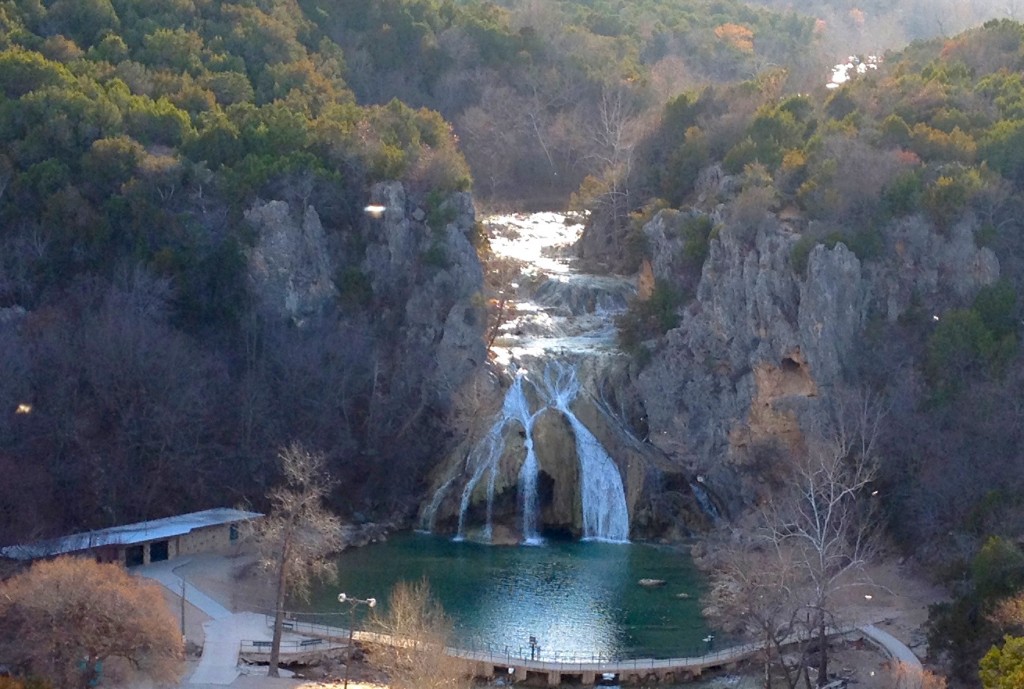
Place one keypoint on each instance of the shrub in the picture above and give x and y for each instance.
(354, 287)
(649, 318)
(696, 234)
(945, 199)
(436, 256)
(684, 165)
(997, 306)
(903, 195)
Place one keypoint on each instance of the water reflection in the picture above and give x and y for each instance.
(577, 599)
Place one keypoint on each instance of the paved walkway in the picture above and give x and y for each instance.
(224, 632)
(224, 636)
(164, 572)
(894, 648)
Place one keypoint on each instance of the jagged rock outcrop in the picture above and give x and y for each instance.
(424, 280)
(290, 271)
(430, 278)
(398, 290)
(761, 346)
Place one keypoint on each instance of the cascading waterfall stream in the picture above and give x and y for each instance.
(565, 316)
(605, 515)
(707, 505)
(486, 455)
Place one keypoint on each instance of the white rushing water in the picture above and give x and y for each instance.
(605, 515)
(559, 318)
(556, 310)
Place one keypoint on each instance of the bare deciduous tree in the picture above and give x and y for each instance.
(763, 591)
(63, 618)
(299, 535)
(825, 523)
(903, 676)
(419, 631)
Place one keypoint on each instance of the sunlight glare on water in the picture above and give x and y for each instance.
(536, 239)
(577, 599)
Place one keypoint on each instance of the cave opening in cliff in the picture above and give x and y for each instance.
(795, 378)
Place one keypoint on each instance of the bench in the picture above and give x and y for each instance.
(310, 642)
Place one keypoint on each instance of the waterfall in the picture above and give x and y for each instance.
(560, 315)
(528, 494)
(603, 498)
(486, 456)
(605, 516)
(429, 514)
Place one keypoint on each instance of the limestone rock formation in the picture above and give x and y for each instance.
(289, 269)
(430, 277)
(761, 345)
(405, 281)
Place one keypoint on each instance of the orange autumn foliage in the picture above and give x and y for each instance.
(739, 37)
(63, 616)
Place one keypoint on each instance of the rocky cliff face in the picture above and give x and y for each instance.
(424, 269)
(398, 292)
(290, 273)
(761, 346)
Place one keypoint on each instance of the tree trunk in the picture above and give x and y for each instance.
(822, 650)
(275, 645)
(767, 659)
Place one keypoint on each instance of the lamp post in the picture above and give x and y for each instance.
(368, 602)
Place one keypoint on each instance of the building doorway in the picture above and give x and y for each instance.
(134, 555)
(159, 551)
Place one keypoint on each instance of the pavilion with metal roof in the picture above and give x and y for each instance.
(144, 542)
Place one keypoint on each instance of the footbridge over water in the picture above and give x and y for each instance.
(587, 672)
(633, 671)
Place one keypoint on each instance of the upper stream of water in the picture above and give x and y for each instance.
(557, 317)
(559, 310)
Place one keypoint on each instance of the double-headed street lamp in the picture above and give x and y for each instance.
(368, 602)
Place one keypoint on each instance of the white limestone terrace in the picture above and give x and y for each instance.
(128, 534)
(557, 309)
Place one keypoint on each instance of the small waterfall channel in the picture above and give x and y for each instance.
(561, 322)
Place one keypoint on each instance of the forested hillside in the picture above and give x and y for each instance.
(543, 94)
(139, 142)
(144, 147)
(894, 204)
(935, 138)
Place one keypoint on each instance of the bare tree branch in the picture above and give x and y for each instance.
(299, 536)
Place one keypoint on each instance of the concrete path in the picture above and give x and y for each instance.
(164, 573)
(224, 636)
(224, 632)
(895, 648)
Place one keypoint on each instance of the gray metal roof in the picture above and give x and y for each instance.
(129, 534)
